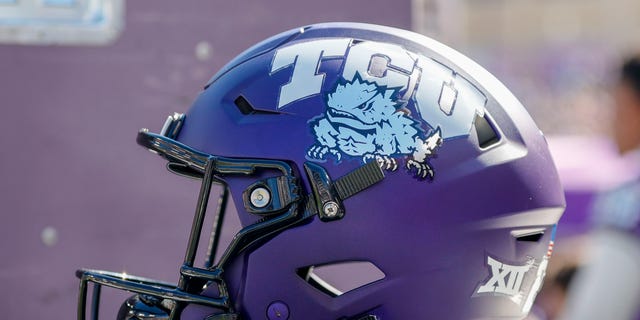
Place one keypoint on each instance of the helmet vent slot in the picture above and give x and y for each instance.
(487, 135)
(528, 235)
(531, 237)
(339, 278)
(246, 108)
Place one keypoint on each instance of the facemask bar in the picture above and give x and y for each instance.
(288, 208)
(192, 279)
(218, 222)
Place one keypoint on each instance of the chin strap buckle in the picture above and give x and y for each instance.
(328, 195)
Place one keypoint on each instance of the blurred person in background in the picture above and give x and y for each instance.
(608, 285)
(551, 300)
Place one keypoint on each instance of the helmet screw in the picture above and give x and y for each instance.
(330, 209)
(260, 197)
(278, 310)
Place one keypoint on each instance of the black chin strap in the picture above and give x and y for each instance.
(358, 180)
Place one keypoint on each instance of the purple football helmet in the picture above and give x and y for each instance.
(361, 146)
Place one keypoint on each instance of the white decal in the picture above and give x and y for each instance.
(386, 64)
(505, 279)
(444, 99)
(305, 58)
(447, 100)
(364, 120)
(537, 285)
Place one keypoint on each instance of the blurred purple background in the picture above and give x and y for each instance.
(69, 161)
(76, 191)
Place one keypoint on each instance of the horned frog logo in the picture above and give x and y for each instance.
(364, 120)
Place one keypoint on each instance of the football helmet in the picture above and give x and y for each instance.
(355, 144)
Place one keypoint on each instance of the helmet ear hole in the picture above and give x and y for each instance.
(337, 279)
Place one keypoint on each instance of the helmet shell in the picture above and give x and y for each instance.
(444, 241)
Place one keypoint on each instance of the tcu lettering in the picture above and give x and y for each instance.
(505, 279)
(443, 98)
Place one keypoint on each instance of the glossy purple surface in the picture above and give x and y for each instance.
(69, 158)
